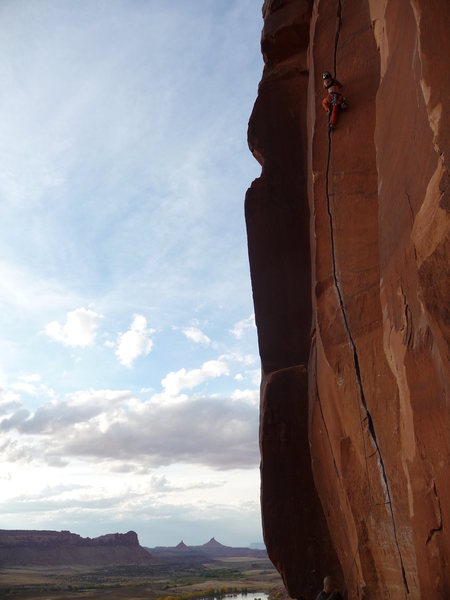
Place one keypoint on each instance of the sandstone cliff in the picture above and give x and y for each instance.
(52, 548)
(348, 237)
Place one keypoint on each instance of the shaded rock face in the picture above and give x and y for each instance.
(51, 548)
(349, 252)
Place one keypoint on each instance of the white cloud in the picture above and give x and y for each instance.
(80, 328)
(12, 451)
(23, 386)
(135, 342)
(9, 401)
(30, 384)
(196, 335)
(251, 396)
(221, 433)
(242, 326)
(132, 434)
(160, 484)
(55, 416)
(175, 381)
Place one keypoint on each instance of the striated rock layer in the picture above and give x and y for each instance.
(349, 251)
(53, 548)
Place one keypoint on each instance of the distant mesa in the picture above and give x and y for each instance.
(181, 546)
(56, 548)
(213, 543)
(257, 546)
(210, 550)
(20, 548)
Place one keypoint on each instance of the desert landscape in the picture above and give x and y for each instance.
(158, 581)
(53, 565)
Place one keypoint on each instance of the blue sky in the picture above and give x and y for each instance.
(129, 372)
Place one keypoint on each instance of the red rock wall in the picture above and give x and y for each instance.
(358, 222)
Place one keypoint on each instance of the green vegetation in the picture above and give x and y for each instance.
(163, 580)
(210, 593)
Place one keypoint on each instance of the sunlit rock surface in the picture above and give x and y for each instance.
(349, 253)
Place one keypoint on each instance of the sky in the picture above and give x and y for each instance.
(129, 369)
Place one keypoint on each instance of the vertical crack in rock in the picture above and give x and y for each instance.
(368, 416)
(411, 212)
(338, 32)
(434, 530)
(380, 327)
(277, 220)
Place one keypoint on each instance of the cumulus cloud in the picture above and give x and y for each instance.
(57, 416)
(115, 426)
(251, 396)
(196, 335)
(80, 328)
(16, 420)
(176, 381)
(12, 450)
(9, 401)
(240, 328)
(221, 433)
(135, 342)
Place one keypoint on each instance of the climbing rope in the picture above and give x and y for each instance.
(368, 416)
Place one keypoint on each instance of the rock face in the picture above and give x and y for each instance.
(349, 250)
(52, 548)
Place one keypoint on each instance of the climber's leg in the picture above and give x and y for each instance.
(334, 115)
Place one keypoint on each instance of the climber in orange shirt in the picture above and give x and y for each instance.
(334, 101)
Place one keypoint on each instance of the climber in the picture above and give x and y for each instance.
(329, 591)
(334, 101)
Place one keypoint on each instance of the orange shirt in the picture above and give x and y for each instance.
(335, 87)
